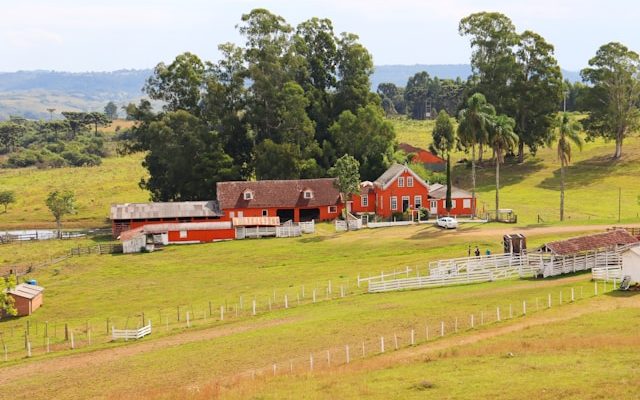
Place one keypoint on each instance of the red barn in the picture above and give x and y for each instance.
(291, 200)
(422, 156)
(133, 215)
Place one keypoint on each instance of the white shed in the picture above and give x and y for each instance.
(631, 263)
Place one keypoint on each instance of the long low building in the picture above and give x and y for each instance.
(148, 236)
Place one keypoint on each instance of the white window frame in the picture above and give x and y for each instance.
(409, 181)
(417, 201)
(248, 195)
(332, 209)
(401, 181)
(466, 203)
(265, 213)
(183, 234)
(232, 214)
(453, 203)
(394, 203)
(308, 194)
(364, 201)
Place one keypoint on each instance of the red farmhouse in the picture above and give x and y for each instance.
(422, 156)
(291, 200)
(398, 190)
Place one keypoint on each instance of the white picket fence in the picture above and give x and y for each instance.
(388, 224)
(383, 275)
(354, 225)
(308, 227)
(435, 281)
(285, 231)
(613, 273)
(127, 334)
(514, 263)
(550, 265)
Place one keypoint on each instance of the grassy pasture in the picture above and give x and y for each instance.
(90, 289)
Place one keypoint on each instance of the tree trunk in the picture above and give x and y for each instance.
(480, 152)
(473, 180)
(619, 138)
(59, 227)
(497, 185)
(520, 152)
(561, 192)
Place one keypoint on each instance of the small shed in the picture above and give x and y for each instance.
(515, 243)
(631, 264)
(28, 298)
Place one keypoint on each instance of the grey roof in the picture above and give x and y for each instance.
(456, 193)
(165, 210)
(174, 226)
(393, 172)
(26, 291)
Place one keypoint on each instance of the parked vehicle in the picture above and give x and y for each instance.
(447, 222)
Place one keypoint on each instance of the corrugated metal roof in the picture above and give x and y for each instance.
(165, 210)
(599, 241)
(151, 229)
(441, 193)
(26, 291)
(256, 221)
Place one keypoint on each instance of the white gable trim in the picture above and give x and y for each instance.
(416, 178)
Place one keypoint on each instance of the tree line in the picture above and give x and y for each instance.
(285, 104)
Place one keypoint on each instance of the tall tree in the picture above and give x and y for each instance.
(10, 134)
(493, 37)
(354, 67)
(60, 203)
(180, 84)
(185, 159)
(614, 97)
(346, 170)
(564, 131)
(503, 138)
(77, 122)
(366, 136)
(7, 197)
(473, 128)
(537, 90)
(417, 95)
(443, 141)
(111, 110)
(97, 119)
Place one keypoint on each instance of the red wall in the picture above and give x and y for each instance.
(458, 210)
(325, 215)
(25, 306)
(140, 222)
(202, 236)
(356, 206)
(383, 197)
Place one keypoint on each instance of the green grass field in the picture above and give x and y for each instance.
(85, 291)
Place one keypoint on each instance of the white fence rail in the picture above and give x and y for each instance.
(285, 231)
(127, 334)
(388, 224)
(308, 227)
(354, 224)
(607, 274)
(432, 281)
(383, 275)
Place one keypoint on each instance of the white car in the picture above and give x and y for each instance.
(447, 222)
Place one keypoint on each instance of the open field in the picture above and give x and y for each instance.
(87, 290)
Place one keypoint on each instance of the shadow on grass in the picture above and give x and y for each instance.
(511, 173)
(585, 172)
(623, 293)
(557, 277)
(315, 239)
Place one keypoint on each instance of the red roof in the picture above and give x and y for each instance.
(278, 193)
(421, 155)
(599, 241)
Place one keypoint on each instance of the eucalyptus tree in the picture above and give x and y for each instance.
(614, 97)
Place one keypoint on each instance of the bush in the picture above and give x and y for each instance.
(424, 214)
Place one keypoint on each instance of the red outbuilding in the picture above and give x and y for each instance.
(462, 203)
(292, 200)
(27, 298)
(424, 157)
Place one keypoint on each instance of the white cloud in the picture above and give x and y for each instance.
(30, 38)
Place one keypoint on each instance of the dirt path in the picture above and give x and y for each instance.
(535, 230)
(98, 357)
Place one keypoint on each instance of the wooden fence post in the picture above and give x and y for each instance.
(73, 345)
(28, 349)
(314, 295)
(524, 307)
(441, 328)
(311, 361)
(346, 351)
(498, 313)
(413, 337)
(560, 297)
(210, 310)
(381, 344)
(573, 298)
(188, 321)
(254, 306)
(426, 331)
(455, 325)
(221, 313)
(472, 321)
(395, 340)
(549, 300)
(178, 309)
(341, 291)
(274, 369)
(48, 346)
(286, 301)
(363, 351)
(329, 288)
(595, 290)
(66, 332)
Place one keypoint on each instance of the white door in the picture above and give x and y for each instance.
(433, 209)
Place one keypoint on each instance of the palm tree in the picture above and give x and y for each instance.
(473, 124)
(565, 131)
(502, 139)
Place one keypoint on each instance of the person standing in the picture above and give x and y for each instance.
(477, 252)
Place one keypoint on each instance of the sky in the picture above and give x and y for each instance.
(100, 35)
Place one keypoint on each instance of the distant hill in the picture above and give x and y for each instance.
(31, 93)
(399, 74)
